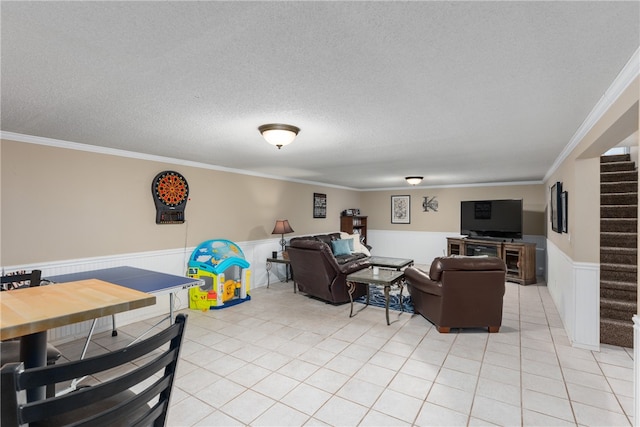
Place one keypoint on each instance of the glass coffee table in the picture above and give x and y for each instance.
(386, 278)
(392, 263)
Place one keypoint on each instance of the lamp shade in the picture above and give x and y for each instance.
(282, 227)
(279, 134)
(414, 180)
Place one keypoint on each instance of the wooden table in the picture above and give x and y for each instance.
(28, 313)
(386, 278)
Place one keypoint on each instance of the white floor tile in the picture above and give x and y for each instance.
(496, 412)
(359, 391)
(377, 419)
(590, 416)
(276, 385)
(547, 404)
(435, 415)
(398, 405)
(499, 391)
(306, 398)
(338, 411)
(247, 406)
(280, 415)
(451, 398)
(286, 359)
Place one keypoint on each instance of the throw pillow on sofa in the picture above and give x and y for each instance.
(357, 246)
(340, 247)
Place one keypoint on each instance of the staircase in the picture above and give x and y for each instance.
(618, 249)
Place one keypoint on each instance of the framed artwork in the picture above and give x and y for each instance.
(564, 198)
(319, 205)
(400, 209)
(556, 205)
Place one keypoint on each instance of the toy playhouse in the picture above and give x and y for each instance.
(225, 272)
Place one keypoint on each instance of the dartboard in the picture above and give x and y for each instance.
(170, 188)
(170, 194)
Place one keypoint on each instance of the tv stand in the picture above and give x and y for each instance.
(519, 257)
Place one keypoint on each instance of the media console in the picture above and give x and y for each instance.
(519, 257)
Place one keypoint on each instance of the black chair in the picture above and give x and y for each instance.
(149, 364)
(10, 349)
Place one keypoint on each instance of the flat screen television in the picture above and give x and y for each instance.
(499, 219)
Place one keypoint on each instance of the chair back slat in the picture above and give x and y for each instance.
(95, 364)
(109, 403)
(34, 278)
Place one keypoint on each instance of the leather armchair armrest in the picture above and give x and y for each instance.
(352, 267)
(420, 280)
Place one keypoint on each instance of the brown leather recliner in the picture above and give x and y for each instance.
(459, 292)
(317, 272)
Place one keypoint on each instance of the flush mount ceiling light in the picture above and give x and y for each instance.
(414, 180)
(279, 134)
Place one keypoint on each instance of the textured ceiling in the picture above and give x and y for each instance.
(459, 92)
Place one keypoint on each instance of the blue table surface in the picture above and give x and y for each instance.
(131, 277)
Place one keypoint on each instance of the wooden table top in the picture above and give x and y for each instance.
(30, 310)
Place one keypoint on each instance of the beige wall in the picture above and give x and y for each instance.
(377, 205)
(60, 204)
(580, 177)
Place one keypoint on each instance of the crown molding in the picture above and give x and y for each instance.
(150, 157)
(625, 77)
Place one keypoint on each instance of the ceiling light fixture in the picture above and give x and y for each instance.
(279, 134)
(414, 180)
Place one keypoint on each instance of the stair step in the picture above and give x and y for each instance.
(618, 249)
(619, 240)
(616, 332)
(619, 211)
(619, 199)
(618, 275)
(612, 158)
(614, 284)
(617, 309)
(619, 267)
(620, 225)
(618, 255)
(618, 187)
(619, 176)
(618, 295)
(617, 166)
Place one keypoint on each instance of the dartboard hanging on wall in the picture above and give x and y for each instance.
(170, 194)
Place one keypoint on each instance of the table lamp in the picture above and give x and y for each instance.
(282, 227)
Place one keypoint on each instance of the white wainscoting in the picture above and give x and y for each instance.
(421, 246)
(424, 246)
(172, 261)
(575, 289)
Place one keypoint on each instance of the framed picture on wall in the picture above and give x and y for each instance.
(556, 205)
(400, 209)
(319, 205)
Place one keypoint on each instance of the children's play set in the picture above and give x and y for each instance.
(225, 272)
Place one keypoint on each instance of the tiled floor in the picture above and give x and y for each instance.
(286, 359)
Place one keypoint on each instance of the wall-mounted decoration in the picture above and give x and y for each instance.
(564, 205)
(319, 205)
(555, 205)
(170, 193)
(400, 209)
(430, 203)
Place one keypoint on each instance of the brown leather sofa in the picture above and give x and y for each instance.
(459, 292)
(321, 274)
